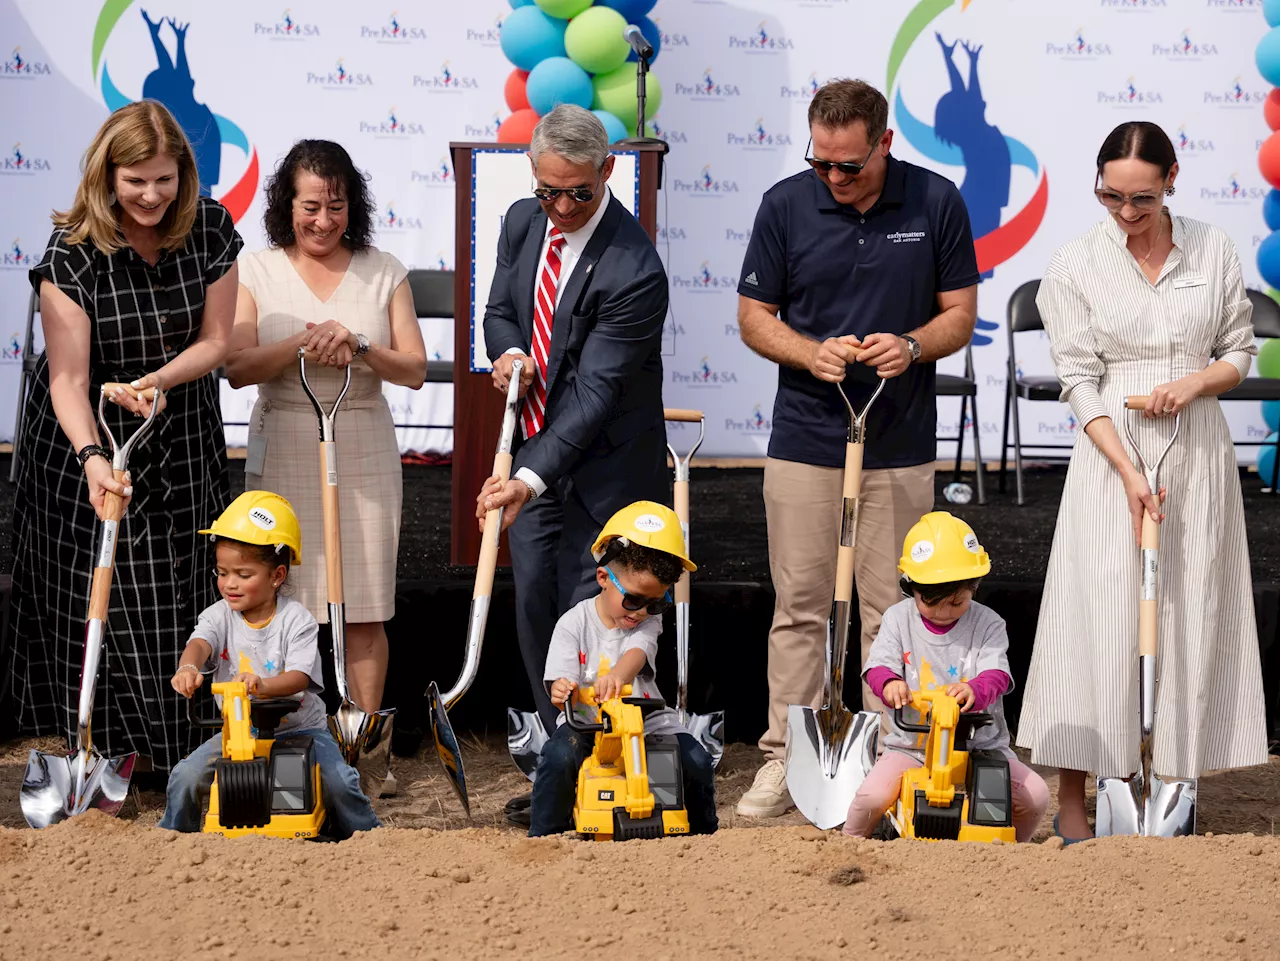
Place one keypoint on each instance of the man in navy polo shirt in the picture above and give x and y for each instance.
(859, 268)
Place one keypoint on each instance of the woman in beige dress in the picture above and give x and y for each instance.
(322, 286)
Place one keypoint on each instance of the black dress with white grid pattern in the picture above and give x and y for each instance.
(141, 316)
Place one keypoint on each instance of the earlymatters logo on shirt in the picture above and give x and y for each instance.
(906, 236)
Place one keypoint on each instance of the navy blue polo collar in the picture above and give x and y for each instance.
(892, 194)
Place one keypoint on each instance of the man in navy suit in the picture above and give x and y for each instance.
(579, 296)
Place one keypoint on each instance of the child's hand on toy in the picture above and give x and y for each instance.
(609, 686)
(249, 680)
(963, 693)
(186, 681)
(562, 690)
(896, 694)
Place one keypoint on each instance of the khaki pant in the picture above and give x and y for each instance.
(802, 509)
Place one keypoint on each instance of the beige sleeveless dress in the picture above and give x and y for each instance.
(369, 477)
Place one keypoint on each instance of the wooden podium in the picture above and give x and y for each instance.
(477, 406)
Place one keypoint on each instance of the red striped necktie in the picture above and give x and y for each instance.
(544, 311)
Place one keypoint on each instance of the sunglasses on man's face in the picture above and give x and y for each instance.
(582, 195)
(635, 602)
(850, 167)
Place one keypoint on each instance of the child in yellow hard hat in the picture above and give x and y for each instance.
(641, 554)
(257, 538)
(940, 638)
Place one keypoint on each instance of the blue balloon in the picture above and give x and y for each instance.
(1267, 56)
(1269, 259)
(529, 36)
(1267, 459)
(1271, 414)
(520, 3)
(651, 33)
(614, 127)
(631, 10)
(1271, 209)
(1271, 11)
(558, 80)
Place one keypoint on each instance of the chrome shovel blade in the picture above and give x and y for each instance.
(708, 730)
(447, 748)
(829, 753)
(1119, 809)
(1171, 809)
(525, 739)
(355, 731)
(55, 788)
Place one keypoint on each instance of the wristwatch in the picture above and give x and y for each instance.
(913, 346)
(362, 345)
(533, 494)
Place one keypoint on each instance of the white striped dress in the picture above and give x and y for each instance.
(1113, 334)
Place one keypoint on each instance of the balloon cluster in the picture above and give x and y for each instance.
(574, 51)
(1268, 59)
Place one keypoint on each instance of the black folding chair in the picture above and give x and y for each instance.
(1023, 316)
(1266, 323)
(29, 358)
(433, 297)
(965, 387)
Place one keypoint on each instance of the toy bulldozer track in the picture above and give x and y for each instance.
(630, 786)
(260, 786)
(958, 795)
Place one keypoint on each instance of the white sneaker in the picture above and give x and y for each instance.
(768, 797)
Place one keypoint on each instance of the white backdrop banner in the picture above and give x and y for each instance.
(396, 85)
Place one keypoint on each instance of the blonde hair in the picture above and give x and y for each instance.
(131, 135)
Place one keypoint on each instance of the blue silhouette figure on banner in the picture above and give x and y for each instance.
(174, 87)
(960, 119)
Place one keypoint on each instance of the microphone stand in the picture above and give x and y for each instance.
(640, 140)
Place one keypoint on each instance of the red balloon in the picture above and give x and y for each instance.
(513, 91)
(1271, 109)
(1269, 159)
(518, 128)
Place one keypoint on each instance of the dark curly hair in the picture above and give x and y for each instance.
(333, 164)
(666, 568)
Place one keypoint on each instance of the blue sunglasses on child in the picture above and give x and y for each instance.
(634, 602)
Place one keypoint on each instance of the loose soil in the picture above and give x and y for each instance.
(432, 885)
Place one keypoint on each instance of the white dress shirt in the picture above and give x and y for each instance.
(574, 244)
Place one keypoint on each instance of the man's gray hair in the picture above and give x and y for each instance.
(571, 132)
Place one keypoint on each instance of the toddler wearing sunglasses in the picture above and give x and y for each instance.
(641, 554)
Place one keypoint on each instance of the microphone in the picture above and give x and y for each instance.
(638, 43)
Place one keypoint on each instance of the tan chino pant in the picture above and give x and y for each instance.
(802, 511)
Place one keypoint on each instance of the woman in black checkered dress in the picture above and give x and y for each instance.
(137, 285)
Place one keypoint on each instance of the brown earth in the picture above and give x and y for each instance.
(430, 887)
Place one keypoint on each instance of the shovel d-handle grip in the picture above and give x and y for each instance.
(104, 566)
(147, 393)
(848, 522)
(586, 727)
(1137, 401)
(1148, 609)
(681, 414)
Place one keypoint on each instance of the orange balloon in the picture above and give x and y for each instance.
(1269, 159)
(518, 128)
(1271, 109)
(513, 91)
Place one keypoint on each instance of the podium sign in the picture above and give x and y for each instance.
(498, 179)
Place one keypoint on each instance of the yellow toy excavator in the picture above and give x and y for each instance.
(958, 795)
(631, 785)
(259, 786)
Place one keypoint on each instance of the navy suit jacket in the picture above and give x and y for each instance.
(604, 427)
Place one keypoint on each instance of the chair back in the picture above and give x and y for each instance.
(432, 292)
(1022, 312)
(1266, 315)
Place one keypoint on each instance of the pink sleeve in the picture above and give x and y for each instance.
(987, 686)
(878, 677)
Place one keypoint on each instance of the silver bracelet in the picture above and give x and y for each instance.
(188, 667)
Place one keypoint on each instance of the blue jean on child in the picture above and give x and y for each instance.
(555, 785)
(347, 808)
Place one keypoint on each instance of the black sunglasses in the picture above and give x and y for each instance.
(844, 166)
(582, 195)
(634, 602)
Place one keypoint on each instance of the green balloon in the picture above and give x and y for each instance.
(564, 9)
(1269, 359)
(616, 92)
(594, 41)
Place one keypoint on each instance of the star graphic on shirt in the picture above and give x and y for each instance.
(225, 656)
(270, 667)
(582, 658)
(646, 694)
(952, 670)
(906, 658)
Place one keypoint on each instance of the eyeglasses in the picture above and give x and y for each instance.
(582, 195)
(844, 166)
(1114, 200)
(635, 602)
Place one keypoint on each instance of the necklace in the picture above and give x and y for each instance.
(1152, 249)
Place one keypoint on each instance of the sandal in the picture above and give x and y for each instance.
(1065, 840)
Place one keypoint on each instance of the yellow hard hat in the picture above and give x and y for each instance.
(941, 548)
(647, 524)
(260, 517)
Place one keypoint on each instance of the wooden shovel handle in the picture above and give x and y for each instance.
(1148, 610)
(332, 528)
(848, 515)
(147, 393)
(100, 589)
(681, 496)
(488, 561)
(678, 413)
(1136, 401)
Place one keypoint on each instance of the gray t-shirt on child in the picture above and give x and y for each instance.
(927, 661)
(577, 643)
(287, 643)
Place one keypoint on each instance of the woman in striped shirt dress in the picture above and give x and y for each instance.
(138, 285)
(1146, 303)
